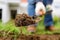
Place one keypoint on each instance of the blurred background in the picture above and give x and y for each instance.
(9, 9)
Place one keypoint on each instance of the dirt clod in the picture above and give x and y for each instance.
(23, 20)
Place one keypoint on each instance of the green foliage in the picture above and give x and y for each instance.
(56, 19)
(8, 28)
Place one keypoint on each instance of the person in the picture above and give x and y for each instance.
(48, 17)
(48, 20)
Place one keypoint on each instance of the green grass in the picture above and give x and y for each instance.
(10, 27)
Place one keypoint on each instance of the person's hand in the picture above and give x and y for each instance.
(48, 9)
(40, 9)
(41, 12)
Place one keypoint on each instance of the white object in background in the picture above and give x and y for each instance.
(5, 14)
(23, 4)
(56, 10)
(23, 7)
(39, 6)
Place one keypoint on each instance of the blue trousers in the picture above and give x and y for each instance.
(48, 21)
(31, 9)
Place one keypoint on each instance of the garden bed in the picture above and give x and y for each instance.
(43, 35)
(32, 37)
(39, 37)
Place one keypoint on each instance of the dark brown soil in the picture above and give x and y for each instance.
(40, 37)
(33, 37)
(23, 20)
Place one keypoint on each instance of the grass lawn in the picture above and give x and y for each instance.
(40, 28)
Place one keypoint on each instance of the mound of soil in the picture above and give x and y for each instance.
(23, 20)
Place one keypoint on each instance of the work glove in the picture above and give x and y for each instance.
(48, 9)
(40, 9)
